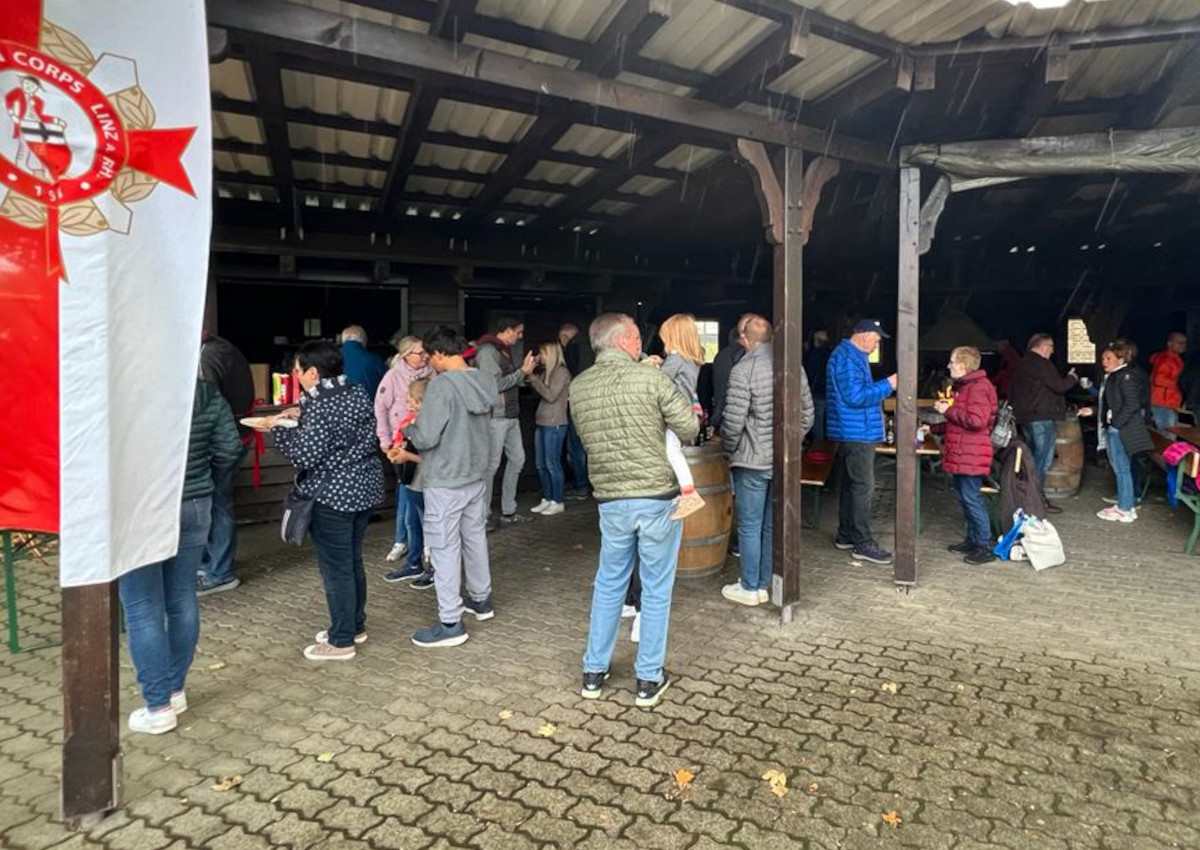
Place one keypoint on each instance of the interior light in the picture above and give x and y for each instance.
(593, 231)
(339, 203)
(1157, 244)
(312, 201)
(364, 206)
(255, 195)
(499, 219)
(520, 222)
(435, 213)
(411, 211)
(456, 216)
(1084, 247)
(577, 228)
(1014, 249)
(1031, 249)
(1101, 247)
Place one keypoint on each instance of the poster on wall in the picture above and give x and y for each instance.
(105, 212)
(1081, 351)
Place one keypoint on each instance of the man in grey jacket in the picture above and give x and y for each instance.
(748, 436)
(452, 434)
(494, 357)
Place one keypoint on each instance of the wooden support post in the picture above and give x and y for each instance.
(788, 356)
(905, 569)
(91, 781)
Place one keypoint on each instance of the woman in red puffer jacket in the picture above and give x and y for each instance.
(967, 448)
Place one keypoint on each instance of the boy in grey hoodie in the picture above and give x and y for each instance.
(453, 435)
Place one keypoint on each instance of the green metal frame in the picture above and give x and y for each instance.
(1189, 500)
(10, 600)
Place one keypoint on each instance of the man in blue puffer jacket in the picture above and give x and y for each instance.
(855, 419)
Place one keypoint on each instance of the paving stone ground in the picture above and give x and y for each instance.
(991, 707)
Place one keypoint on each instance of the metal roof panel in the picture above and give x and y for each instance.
(467, 119)
(331, 96)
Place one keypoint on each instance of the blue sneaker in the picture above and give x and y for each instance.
(203, 588)
(440, 634)
(481, 610)
(403, 574)
(872, 552)
(423, 583)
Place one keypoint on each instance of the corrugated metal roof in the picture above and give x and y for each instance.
(459, 159)
(827, 67)
(706, 36)
(326, 140)
(438, 186)
(594, 141)
(230, 78)
(689, 158)
(467, 119)
(612, 207)
(653, 84)
(246, 128)
(236, 162)
(338, 174)
(1118, 72)
(533, 198)
(365, 13)
(520, 52)
(647, 187)
(1080, 16)
(332, 96)
(558, 172)
(580, 19)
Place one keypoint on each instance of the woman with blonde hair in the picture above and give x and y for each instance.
(411, 363)
(685, 356)
(552, 383)
(1121, 430)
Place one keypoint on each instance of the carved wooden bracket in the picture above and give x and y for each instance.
(767, 188)
(931, 211)
(819, 172)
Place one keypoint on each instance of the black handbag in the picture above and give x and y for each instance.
(297, 515)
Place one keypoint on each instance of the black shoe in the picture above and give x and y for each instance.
(577, 495)
(492, 524)
(1052, 508)
(593, 685)
(964, 548)
(649, 694)
(843, 543)
(734, 550)
(981, 555)
(423, 583)
(515, 519)
(481, 610)
(871, 551)
(404, 573)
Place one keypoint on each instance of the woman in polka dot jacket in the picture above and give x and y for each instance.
(337, 453)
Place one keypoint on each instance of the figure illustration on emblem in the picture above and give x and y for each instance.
(42, 147)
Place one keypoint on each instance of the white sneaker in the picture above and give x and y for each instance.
(628, 611)
(736, 593)
(1115, 514)
(764, 597)
(179, 702)
(152, 722)
(541, 506)
(635, 634)
(554, 509)
(398, 552)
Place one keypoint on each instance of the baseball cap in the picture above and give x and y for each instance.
(864, 326)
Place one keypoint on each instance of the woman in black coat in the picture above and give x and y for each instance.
(1124, 402)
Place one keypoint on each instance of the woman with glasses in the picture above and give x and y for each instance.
(1121, 430)
(391, 406)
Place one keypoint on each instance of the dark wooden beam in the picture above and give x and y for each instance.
(908, 301)
(635, 23)
(1177, 86)
(91, 751)
(1108, 37)
(826, 26)
(268, 91)
(1042, 89)
(889, 80)
(413, 53)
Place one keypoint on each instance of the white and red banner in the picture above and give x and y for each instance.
(105, 213)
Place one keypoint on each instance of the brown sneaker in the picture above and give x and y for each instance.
(687, 504)
(325, 652)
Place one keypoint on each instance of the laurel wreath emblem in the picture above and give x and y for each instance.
(128, 187)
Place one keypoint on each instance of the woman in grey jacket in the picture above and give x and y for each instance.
(552, 384)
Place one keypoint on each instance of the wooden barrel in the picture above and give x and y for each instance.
(706, 532)
(1065, 476)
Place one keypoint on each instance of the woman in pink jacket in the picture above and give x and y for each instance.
(391, 406)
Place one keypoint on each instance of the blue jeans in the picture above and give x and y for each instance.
(577, 458)
(1118, 459)
(401, 511)
(162, 615)
(629, 528)
(752, 489)
(979, 527)
(217, 562)
(338, 536)
(548, 450)
(414, 516)
(1042, 436)
(1164, 417)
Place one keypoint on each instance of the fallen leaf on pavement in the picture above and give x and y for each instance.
(813, 788)
(547, 730)
(216, 666)
(325, 757)
(227, 783)
(506, 714)
(683, 778)
(892, 819)
(777, 780)
(890, 688)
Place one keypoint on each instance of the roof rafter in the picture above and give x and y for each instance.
(268, 91)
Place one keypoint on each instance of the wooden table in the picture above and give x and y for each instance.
(929, 448)
(815, 474)
(1191, 433)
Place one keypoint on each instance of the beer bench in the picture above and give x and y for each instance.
(815, 474)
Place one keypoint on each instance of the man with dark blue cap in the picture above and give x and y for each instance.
(854, 417)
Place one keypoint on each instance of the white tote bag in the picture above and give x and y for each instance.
(1042, 545)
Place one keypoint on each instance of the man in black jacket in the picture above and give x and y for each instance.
(222, 364)
(578, 356)
(723, 364)
(1039, 402)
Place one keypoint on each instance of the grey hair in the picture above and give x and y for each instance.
(356, 333)
(606, 328)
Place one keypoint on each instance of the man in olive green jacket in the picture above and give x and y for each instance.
(622, 410)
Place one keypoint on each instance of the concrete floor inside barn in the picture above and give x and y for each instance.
(1051, 710)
